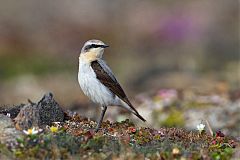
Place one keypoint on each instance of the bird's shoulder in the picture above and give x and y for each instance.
(101, 69)
(106, 77)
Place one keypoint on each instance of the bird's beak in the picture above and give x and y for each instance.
(105, 46)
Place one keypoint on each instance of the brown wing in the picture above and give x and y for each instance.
(112, 84)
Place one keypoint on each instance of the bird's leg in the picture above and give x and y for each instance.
(104, 108)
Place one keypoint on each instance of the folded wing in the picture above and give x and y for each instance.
(106, 77)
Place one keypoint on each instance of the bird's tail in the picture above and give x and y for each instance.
(139, 116)
(130, 107)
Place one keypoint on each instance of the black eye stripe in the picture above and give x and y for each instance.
(96, 45)
(93, 46)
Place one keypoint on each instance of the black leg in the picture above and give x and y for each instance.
(104, 108)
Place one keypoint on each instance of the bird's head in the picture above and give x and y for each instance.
(93, 48)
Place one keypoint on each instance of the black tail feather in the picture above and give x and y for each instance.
(140, 117)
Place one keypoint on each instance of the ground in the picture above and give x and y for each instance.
(61, 134)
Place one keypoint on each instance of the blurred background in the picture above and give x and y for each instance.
(156, 48)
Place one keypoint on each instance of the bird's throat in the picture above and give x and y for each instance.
(89, 56)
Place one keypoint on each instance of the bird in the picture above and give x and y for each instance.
(98, 82)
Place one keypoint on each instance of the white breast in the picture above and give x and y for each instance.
(92, 87)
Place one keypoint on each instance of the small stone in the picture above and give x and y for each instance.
(8, 133)
(28, 117)
(45, 112)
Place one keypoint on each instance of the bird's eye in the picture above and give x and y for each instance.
(94, 46)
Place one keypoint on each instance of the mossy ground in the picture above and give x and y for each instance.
(76, 139)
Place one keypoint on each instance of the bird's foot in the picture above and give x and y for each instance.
(96, 129)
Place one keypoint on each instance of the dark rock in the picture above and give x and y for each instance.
(13, 111)
(45, 112)
(49, 110)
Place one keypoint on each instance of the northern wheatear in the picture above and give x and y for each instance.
(98, 82)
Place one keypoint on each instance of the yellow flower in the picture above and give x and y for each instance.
(53, 129)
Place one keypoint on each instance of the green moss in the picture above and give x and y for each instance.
(175, 118)
(223, 154)
(96, 144)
